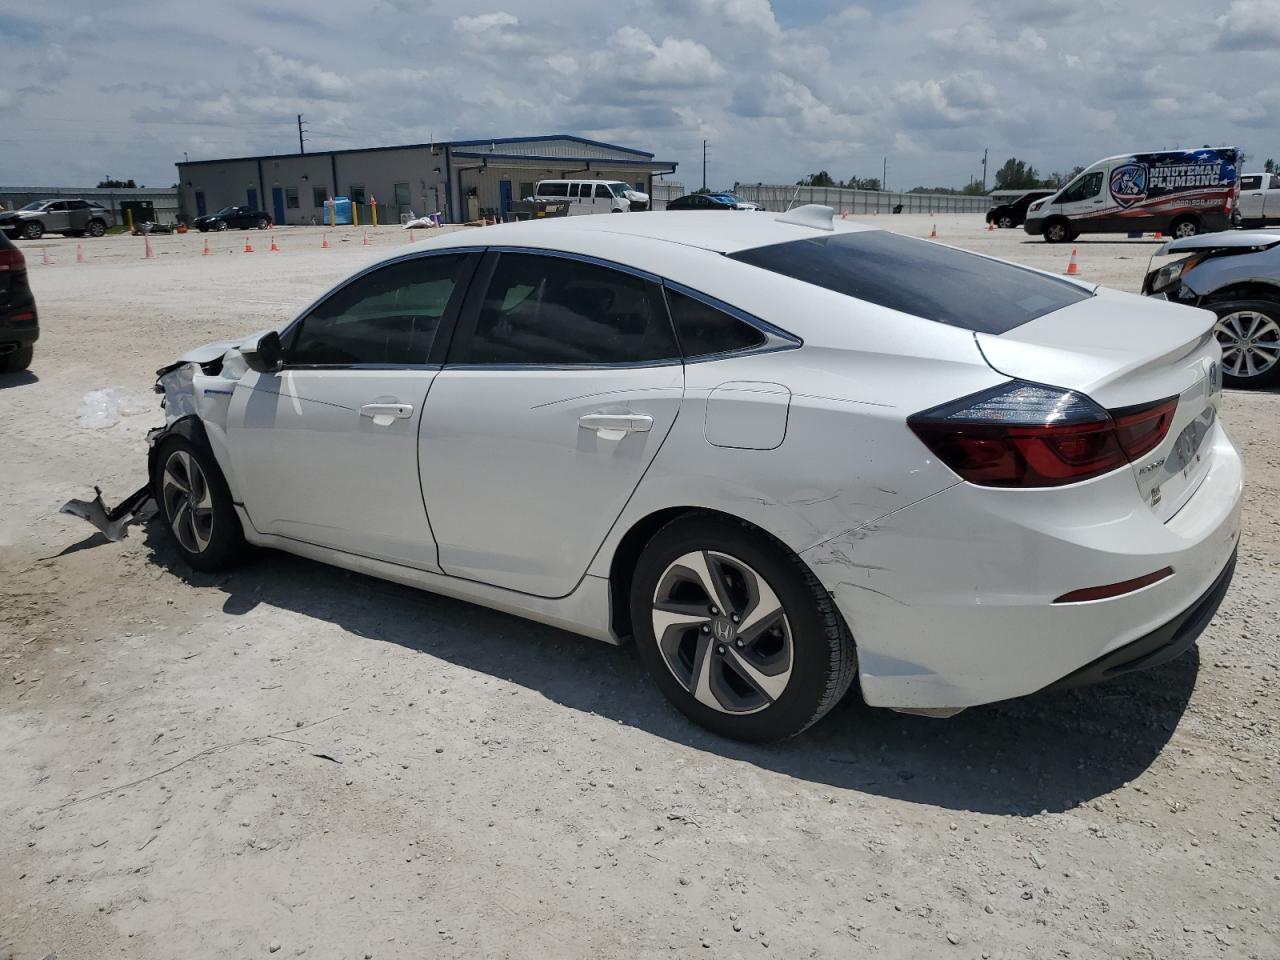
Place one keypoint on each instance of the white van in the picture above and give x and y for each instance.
(1179, 192)
(593, 196)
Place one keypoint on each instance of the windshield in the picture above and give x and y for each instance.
(35, 205)
(225, 212)
(619, 189)
(920, 278)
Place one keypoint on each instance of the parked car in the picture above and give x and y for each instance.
(778, 453)
(592, 196)
(1235, 274)
(241, 218)
(1014, 213)
(1178, 192)
(19, 325)
(738, 202)
(702, 201)
(70, 217)
(1259, 203)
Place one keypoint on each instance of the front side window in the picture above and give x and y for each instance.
(1083, 189)
(389, 316)
(1251, 183)
(705, 330)
(920, 278)
(602, 192)
(542, 310)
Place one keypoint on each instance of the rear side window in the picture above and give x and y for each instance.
(554, 311)
(553, 190)
(705, 330)
(389, 316)
(923, 279)
(1251, 183)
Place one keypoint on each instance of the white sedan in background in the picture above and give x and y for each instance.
(779, 453)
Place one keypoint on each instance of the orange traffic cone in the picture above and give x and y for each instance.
(248, 247)
(146, 246)
(45, 258)
(411, 236)
(933, 234)
(365, 242)
(844, 214)
(1159, 235)
(1072, 267)
(207, 251)
(990, 226)
(79, 254)
(324, 245)
(274, 248)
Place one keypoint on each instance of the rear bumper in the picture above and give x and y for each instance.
(951, 600)
(20, 332)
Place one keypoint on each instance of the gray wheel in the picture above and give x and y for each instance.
(1057, 231)
(33, 230)
(97, 228)
(722, 632)
(1187, 227)
(1005, 221)
(262, 223)
(1249, 332)
(220, 225)
(187, 501)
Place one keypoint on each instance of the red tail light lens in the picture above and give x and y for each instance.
(12, 259)
(1028, 435)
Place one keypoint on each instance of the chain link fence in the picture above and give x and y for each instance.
(779, 197)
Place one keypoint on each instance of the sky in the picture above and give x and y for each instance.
(779, 90)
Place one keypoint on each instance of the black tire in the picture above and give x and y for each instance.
(1236, 317)
(822, 660)
(1058, 230)
(220, 225)
(19, 359)
(1005, 222)
(1184, 227)
(262, 223)
(97, 228)
(32, 230)
(213, 537)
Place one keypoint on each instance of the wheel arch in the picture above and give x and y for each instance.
(1257, 289)
(626, 555)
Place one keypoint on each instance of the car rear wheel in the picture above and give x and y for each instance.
(196, 505)
(1005, 221)
(17, 360)
(1249, 332)
(97, 228)
(1186, 227)
(262, 223)
(1058, 231)
(736, 631)
(33, 230)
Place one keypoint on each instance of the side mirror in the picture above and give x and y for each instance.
(265, 356)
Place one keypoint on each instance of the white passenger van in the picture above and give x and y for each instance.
(593, 196)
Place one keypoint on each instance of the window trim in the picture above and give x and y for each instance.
(444, 333)
(775, 338)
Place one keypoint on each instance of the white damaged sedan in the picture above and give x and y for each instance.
(779, 453)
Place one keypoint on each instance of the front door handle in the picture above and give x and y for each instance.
(383, 413)
(613, 425)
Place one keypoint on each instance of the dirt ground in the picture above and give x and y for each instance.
(297, 760)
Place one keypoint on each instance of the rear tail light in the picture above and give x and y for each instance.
(12, 259)
(1028, 435)
(1109, 590)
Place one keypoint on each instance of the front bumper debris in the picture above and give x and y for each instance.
(112, 522)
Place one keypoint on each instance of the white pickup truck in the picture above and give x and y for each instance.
(1259, 203)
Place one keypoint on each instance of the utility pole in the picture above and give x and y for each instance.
(301, 139)
(984, 169)
(704, 166)
(884, 175)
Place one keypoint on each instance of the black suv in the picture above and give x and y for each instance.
(18, 326)
(1014, 213)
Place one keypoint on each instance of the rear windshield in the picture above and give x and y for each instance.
(920, 278)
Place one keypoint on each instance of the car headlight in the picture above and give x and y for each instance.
(1170, 274)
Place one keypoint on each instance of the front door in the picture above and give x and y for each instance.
(252, 201)
(1083, 202)
(56, 217)
(504, 197)
(277, 204)
(561, 384)
(1250, 204)
(326, 450)
(200, 207)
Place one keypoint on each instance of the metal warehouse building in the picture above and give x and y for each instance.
(462, 180)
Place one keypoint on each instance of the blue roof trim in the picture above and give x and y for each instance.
(418, 146)
(562, 161)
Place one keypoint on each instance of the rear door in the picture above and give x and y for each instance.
(325, 451)
(562, 382)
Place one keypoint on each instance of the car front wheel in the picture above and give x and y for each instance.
(33, 230)
(1249, 332)
(220, 225)
(261, 223)
(1058, 231)
(736, 631)
(196, 505)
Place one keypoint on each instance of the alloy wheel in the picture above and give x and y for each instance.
(1250, 343)
(188, 503)
(722, 632)
(1185, 229)
(1005, 222)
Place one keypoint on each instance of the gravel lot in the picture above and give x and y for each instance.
(299, 760)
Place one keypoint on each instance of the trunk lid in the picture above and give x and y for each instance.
(1120, 351)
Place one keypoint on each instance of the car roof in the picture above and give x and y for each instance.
(704, 229)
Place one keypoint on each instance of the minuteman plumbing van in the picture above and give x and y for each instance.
(1178, 192)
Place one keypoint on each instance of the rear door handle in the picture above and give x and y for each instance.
(616, 423)
(383, 413)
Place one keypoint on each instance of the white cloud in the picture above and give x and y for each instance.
(308, 80)
(485, 22)
(633, 57)
(1250, 25)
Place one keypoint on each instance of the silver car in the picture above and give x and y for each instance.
(70, 217)
(1236, 275)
